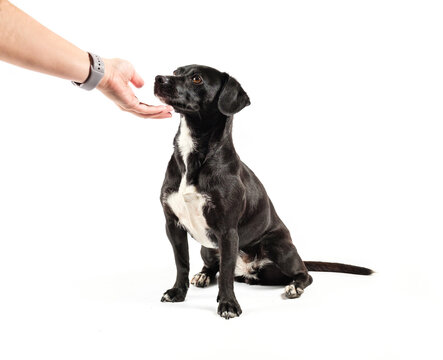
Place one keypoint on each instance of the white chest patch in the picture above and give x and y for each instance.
(187, 204)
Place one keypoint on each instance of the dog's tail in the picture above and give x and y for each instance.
(337, 267)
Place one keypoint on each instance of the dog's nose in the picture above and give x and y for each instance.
(161, 79)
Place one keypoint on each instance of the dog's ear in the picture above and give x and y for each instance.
(232, 97)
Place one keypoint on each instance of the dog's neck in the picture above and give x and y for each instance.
(200, 139)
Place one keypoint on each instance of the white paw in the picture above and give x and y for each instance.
(292, 292)
(166, 298)
(228, 315)
(201, 280)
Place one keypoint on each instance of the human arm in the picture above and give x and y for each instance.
(26, 43)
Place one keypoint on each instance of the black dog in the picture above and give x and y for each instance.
(211, 194)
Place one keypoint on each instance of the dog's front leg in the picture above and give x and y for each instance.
(228, 306)
(179, 241)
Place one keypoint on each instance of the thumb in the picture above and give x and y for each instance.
(137, 80)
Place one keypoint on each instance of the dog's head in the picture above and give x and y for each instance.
(201, 90)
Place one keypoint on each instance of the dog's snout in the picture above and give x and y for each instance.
(161, 79)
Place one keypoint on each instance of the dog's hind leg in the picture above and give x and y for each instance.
(282, 252)
(211, 260)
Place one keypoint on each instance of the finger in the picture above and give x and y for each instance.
(145, 109)
(160, 115)
(165, 115)
(142, 108)
(168, 107)
(137, 80)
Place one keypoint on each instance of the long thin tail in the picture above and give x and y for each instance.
(337, 267)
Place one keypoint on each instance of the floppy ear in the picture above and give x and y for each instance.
(232, 98)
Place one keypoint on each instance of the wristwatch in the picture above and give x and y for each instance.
(96, 73)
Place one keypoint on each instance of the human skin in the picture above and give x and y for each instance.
(27, 43)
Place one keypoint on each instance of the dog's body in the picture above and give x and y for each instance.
(210, 193)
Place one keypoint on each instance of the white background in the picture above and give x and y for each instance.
(344, 130)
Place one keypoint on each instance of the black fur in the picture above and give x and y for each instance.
(239, 214)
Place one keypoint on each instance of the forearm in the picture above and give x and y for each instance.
(25, 42)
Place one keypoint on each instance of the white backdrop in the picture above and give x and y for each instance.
(344, 130)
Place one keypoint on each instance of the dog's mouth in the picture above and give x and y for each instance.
(168, 95)
(180, 107)
(174, 102)
(163, 92)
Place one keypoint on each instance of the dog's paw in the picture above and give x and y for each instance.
(229, 308)
(293, 292)
(174, 295)
(201, 280)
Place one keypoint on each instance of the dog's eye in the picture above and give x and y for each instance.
(197, 79)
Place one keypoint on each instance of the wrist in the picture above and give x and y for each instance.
(96, 73)
(81, 67)
(103, 84)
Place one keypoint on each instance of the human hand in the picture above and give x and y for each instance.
(115, 85)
